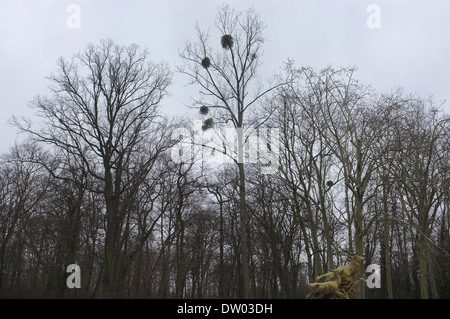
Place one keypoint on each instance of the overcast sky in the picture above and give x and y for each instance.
(409, 48)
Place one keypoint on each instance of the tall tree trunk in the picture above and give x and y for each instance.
(329, 241)
(423, 277)
(317, 260)
(243, 233)
(431, 275)
(423, 242)
(349, 215)
(179, 284)
(358, 214)
(221, 252)
(111, 237)
(359, 243)
(387, 251)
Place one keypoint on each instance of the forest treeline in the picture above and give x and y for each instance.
(94, 182)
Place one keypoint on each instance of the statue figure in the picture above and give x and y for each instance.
(337, 284)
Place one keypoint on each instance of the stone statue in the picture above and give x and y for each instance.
(337, 284)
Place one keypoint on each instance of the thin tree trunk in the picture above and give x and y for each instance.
(359, 243)
(180, 257)
(423, 243)
(431, 275)
(387, 252)
(221, 252)
(110, 238)
(243, 234)
(423, 267)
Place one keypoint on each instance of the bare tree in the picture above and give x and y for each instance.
(23, 185)
(230, 89)
(104, 102)
(422, 134)
(351, 120)
(306, 172)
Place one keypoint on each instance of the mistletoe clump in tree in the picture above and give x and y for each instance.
(227, 41)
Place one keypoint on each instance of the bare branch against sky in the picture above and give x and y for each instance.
(392, 43)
